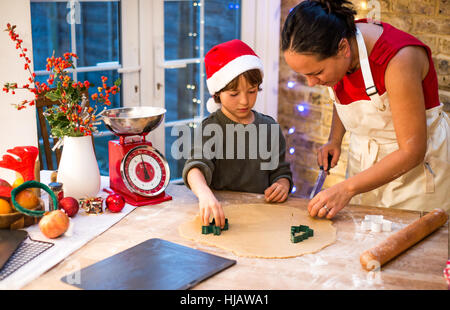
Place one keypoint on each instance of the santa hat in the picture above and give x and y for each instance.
(226, 61)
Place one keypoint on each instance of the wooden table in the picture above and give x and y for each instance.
(335, 267)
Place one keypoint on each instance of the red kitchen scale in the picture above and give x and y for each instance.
(137, 170)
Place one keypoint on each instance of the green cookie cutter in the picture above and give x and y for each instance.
(213, 229)
(305, 233)
(32, 184)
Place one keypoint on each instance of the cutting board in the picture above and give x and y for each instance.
(154, 264)
(9, 242)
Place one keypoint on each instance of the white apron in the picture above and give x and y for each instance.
(372, 137)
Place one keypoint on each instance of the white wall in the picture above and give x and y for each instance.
(17, 128)
(261, 30)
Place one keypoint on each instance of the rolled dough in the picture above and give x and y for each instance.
(263, 230)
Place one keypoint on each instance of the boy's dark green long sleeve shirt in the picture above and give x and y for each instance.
(230, 170)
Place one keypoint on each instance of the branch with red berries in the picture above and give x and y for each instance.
(72, 116)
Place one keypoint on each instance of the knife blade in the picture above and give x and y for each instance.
(321, 178)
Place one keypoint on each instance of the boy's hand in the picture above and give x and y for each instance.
(278, 191)
(209, 205)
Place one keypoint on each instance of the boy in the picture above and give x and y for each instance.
(234, 75)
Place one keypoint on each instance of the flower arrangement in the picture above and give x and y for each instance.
(72, 116)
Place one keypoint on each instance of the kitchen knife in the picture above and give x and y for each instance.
(321, 178)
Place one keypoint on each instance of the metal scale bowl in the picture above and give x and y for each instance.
(137, 170)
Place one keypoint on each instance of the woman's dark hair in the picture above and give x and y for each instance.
(317, 27)
(253, 77)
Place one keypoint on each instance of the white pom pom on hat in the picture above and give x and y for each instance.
(212, 106)
(226, 61)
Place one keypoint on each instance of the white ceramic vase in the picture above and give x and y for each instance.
(78, 169)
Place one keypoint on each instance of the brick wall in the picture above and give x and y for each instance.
(305, 112)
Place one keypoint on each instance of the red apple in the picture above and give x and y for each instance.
(4, 183)
(115, 203)
(5, 188)
(69, 205)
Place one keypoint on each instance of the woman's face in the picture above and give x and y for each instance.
(326, 72)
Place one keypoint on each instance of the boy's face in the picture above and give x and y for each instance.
(237, 103)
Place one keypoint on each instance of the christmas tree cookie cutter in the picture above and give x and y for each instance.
(305, 233)
(213, 229)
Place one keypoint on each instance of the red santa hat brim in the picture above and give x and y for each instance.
(232, 69)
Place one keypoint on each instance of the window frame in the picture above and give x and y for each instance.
(256, 31)
(143, 65)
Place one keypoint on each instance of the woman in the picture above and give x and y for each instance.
(385, 93)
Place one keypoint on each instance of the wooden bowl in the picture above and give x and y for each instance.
(18, 220)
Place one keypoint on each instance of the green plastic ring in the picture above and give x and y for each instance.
(32, 184)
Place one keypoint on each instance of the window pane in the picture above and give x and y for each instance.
(222, 22)
(97, 34)
(181, 29)
(50, 31)
(175, 165)
(101, 152)
(182, 97)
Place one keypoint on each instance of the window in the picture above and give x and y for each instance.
(191, 28)
(93, 33)
(156, 47)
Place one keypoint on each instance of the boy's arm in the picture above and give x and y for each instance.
(207, 201)
(280, 180)
(283, 170)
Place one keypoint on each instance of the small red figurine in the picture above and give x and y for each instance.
(23, 165)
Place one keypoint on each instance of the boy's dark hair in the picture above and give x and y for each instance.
(253, 77)
(317, 27)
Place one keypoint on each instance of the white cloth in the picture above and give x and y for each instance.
(372, 137)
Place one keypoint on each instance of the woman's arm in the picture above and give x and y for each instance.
(333, 146)
(403, 79)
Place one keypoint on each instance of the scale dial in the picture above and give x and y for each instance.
(145, 171)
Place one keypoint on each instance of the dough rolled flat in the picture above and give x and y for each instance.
(263, 230)
(402, 240)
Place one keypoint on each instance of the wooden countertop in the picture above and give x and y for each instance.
(335, 267)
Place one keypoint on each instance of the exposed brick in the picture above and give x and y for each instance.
(441, 65)
(402, 22)
(444, 8)
(444, 45)
(444, 97)
(422, 7)
(444, 82)
(424, 24)
(431, 41)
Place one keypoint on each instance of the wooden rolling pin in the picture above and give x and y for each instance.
(402, 240)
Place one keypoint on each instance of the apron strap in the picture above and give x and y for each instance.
(371, 89)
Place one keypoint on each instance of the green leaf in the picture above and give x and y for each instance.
(53, 95)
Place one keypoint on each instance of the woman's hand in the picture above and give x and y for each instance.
(331, 147)
(209, 205)
(334, 198)
(278, 191)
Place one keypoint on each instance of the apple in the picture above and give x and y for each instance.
(4, 183)
(6, 188)
(53, 224)
(69, 205)
(115, 203)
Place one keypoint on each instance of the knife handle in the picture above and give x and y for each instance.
(330, 157)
